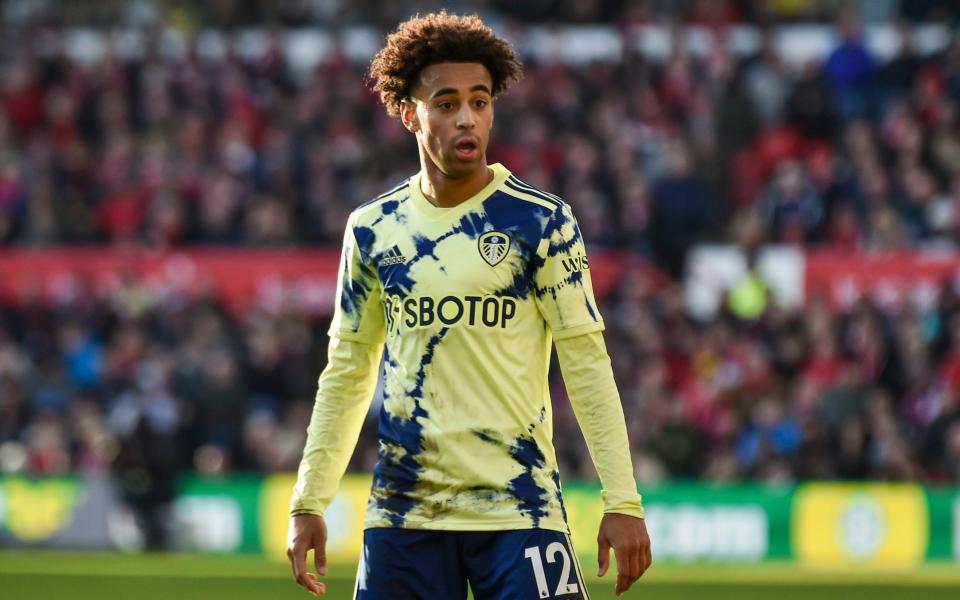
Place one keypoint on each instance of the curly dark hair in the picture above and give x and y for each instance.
(435, 38)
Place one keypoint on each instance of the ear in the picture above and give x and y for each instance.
(408, 115)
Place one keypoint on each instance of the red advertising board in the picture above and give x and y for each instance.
(306, 278)
(890, 280)
(239, 277)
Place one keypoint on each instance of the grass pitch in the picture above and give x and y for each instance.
(96, 576)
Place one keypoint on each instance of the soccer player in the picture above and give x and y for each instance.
(466, 276)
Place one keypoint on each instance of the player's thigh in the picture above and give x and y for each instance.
(528, 564)
(403, 564)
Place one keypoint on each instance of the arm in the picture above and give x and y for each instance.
(565, 299)
(596, 404)
(343, 398)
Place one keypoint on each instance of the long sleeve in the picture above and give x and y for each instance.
(343, 398)
(346, 385)
(596, 403)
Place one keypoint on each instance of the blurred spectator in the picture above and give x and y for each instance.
(766, 80)
(146, 422)
(849, 68)
(896, 77)
(791, 206)
(683, 210)
(809, 106)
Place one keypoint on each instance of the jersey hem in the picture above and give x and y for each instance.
(447, 525)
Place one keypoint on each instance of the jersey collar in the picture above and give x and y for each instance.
(500, 174)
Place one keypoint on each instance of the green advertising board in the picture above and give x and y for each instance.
(744, 523)
(944, 512)
(219, 514)
(818, 524)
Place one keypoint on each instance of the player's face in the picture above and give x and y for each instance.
(451, 112)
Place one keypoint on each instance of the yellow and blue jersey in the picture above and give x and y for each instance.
(467, 301)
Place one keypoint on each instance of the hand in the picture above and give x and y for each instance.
(308, 532)
(631, 545)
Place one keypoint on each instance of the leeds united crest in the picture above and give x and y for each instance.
(493, 247)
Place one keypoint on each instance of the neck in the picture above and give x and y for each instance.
(444, 191)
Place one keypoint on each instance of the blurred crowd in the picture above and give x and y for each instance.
(85, 380)
(813, 393)
(143, 389)
(849, 152)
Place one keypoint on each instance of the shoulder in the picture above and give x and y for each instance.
(538, 213)
(385, 203)
(519, 189)
(366, 219)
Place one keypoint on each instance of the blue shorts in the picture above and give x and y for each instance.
(524, 564)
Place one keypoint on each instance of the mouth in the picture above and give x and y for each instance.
(467, 148)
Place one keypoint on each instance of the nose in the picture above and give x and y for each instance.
(465, 117)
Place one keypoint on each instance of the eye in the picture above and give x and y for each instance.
(445, 106)
(480, 103)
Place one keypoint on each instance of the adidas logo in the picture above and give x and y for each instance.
(392, 257)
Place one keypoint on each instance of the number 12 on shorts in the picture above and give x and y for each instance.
(564, 586)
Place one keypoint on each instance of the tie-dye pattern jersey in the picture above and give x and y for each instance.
(468, 301)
